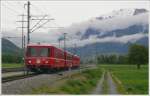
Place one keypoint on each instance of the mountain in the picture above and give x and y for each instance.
(122, 13)
(106, 48)
(9, 48)
(110, 33)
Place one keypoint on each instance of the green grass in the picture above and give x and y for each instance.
(84, 85)
(80, 83)
(12, 65)
(46, 90)
(135, 81)
(120, 87)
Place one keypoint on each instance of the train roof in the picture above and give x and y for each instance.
(39, 44)
(66, 51)
(44, 44)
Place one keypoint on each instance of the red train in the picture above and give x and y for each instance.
(47, 57)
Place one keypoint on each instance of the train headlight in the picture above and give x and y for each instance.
(29, 61)
(46, 62)
(38, 61)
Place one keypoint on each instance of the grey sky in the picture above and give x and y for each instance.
(64, 12)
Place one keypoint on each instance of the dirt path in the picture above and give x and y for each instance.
(99, 88)
(110, 86)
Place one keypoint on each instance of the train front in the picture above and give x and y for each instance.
(38, 57)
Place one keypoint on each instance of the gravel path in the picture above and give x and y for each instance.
(25, 86)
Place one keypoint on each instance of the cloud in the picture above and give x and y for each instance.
(103, 25)
(123, 39)
(107, 25)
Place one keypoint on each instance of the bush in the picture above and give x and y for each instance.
(9, 58)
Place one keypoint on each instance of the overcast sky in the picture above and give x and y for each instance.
(65, 13)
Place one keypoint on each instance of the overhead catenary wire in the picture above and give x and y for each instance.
(11, 37)
(37, 25)
(18, 2)
(40, 26)
(38, 22)
(15, 4)
(38, 9)
(22, 6)
(13, 12)
(6, 5)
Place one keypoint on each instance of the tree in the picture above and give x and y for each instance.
(138, 54)
(122, 59)
(11, 58)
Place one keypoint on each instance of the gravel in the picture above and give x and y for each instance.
(26, 85)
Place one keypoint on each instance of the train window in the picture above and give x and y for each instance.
(62, 55)
(56, 53)
(69, 57)
(59, 54)
(44, 52)
(32, 52)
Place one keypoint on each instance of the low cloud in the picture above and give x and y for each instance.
(123, 39)
(103, 25)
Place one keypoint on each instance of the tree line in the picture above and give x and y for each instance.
(137, 54)
(12, 58)
(112, 59)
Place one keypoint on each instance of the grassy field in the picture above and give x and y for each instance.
(11, 65)
(135, 81)
(80, 83)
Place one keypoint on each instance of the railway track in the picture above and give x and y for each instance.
(22, 76)
(5, 70)
(12, 78)
(27, 84)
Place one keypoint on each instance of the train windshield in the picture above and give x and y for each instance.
(32, 52)
(44, 52)
(39, 52)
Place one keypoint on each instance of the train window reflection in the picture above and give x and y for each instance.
(44, 52)
(32, 52)
(39, 52)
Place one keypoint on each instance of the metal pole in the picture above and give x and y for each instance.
(23, 41)
(22, 30)
(96, 55)
(65, 41)
(24, 44)
(59, 43)
(75, 48)
(28, 23)
(65, 47)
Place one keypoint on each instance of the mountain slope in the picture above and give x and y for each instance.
(9, 48)
(111, 33)
(106, 48)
